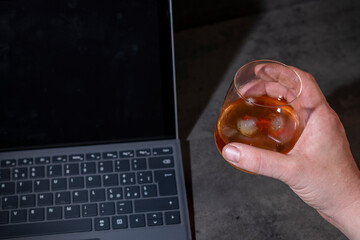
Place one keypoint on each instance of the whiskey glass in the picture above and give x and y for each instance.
(262, 108)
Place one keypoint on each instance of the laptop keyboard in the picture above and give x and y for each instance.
(95, 191)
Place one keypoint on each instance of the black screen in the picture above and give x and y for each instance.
(84, 71)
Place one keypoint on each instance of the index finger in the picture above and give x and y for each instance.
(310, 96)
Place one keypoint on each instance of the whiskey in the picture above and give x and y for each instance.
(271, 126)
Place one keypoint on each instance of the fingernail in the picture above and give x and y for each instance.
(231, 153)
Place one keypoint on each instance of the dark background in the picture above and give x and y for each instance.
(212, 40)
(190, 14)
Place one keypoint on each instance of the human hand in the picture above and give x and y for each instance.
(320, 168)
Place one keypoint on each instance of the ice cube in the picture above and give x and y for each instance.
(229, 132)
(247, 127)
(250, 100)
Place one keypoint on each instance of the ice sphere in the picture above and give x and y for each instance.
(247, 127)
(280, 131)
(276, 123)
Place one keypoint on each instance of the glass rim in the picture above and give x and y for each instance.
(267, 61)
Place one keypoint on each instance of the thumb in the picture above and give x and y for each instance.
(259, 161)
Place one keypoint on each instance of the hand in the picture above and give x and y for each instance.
(320, 168)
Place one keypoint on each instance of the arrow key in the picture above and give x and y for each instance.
(154, 219)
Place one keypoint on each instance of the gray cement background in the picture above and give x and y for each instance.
(321, 37)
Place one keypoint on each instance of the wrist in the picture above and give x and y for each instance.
(346, 217)
(348, 220)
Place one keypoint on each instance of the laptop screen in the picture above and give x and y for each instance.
(84, 71)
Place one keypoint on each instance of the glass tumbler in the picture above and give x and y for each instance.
(262, 108)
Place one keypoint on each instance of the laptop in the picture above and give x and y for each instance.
(89, 146)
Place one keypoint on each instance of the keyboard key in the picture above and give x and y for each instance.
(45, 228)
(110, 180)
(161, 162)
(27, 200)
(110, 155)
(76, 158)
(76, 182)
(54, 171)
(105, 166)
(24, 187)
(36, 214)
(93, 156)
(88, 168)
(162, 151)
(59, 159)
(102, 223)
(155, 222)
(53, 213)
(71, 169)
(149, 190)
(41, 185)
(107, 208)
(114, 193)
(127, 154)
(132, 192)
(10, 202)
(154, 219)
(154, 215)
(166, 182)
(144, 177)
(4, 217)
(137, 220)
(25, 161)
(17, 216)
(97, 195)
(138, 163)
(72, 211)
(143, 152)
(37, 172)
(89, 210)
(172, 217)
(80, 196)
(62, 198)
(127, 178)
(8, 163)
(124, 207)
(58, 184)
(4, 174)
(122, 165)
(93, 181)
(119, 222)
(20, 173)
(156, 204)
(45, 199)
(7, 188)
(42, 160)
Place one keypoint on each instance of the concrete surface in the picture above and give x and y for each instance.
(321, 37)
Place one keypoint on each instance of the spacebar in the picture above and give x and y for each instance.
(44, 228)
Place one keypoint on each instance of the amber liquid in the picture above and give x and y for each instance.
(273, 128)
